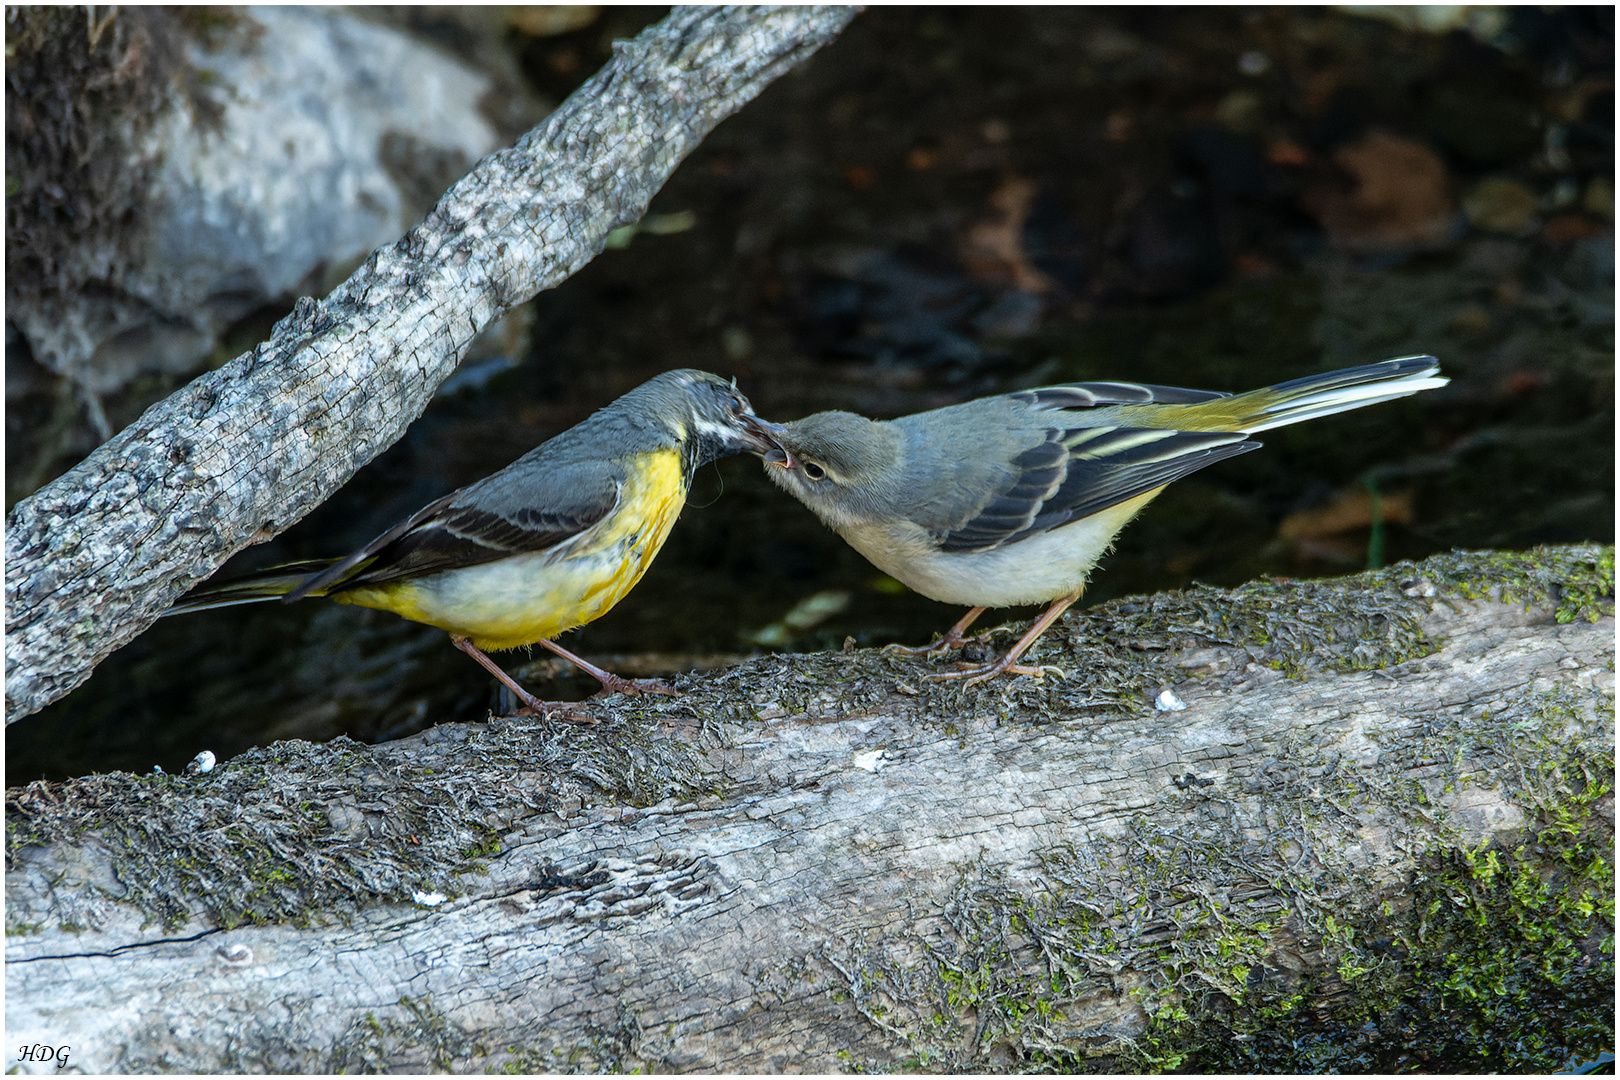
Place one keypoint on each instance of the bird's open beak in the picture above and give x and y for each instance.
(765, 439)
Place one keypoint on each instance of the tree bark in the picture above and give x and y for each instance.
(243, 452)
(824, 862)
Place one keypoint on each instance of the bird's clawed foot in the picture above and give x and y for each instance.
(943, 645)
(973, 674)
(614, 684)
(557, 710)
(953, 639)
(611, 683)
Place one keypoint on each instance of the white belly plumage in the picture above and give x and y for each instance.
(1036, 570)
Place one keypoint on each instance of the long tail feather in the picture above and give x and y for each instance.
(1334, 392)
(268, 584)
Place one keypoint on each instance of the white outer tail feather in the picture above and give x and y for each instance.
(1345, 398)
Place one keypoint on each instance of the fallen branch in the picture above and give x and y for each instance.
(243, 452)
(818, 862)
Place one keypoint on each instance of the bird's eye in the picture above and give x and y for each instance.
(814, 471)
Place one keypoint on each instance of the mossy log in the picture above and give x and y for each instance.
(241, 453)
(1384, 815)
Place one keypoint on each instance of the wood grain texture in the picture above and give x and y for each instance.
(836, 845)
(243, 452)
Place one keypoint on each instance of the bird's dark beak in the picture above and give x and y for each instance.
(764, 438)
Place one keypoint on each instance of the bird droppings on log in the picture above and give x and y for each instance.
(1397, 833)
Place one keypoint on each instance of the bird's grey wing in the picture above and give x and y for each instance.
(1077, 471)
(526, 507)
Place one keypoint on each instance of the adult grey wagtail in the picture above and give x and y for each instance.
(1012, 499)
(547, 544)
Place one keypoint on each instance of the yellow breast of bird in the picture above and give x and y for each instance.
(524, 598)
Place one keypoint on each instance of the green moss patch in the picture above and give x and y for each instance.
(1500, 960)
(1207, 945)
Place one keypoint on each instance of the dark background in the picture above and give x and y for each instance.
(948, 203)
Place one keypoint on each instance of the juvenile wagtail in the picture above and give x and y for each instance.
(547, 544)
(1012, 499)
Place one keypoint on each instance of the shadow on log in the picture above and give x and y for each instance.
(1380, 829)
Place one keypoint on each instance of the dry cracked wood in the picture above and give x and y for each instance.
(243, 452)
(859, 844)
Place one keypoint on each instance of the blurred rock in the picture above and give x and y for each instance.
(1254, 62)
(1567, 228)
(1057, 246)
(312, 137)
(1501, 205)
(1287, 153)
(1471, 319)
(1351, 509)
(1568, 104)
(1599, 198)
(807, 614)
(1401, 200)
(1485, 21)
(993, 246)
(1241, 110)
(1017, 314)
(549, 20)
(1333, 534)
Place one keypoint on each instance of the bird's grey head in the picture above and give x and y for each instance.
(840, 465)
(709, 417)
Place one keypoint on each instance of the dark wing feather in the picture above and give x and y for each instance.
(467, 536)
(1041, 470)
(1079, 471)
(1094, 485)
(516, 511)
(1088, 394)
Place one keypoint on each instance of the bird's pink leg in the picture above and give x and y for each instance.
(569, 709)
(611, 683)
(1010, 661)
